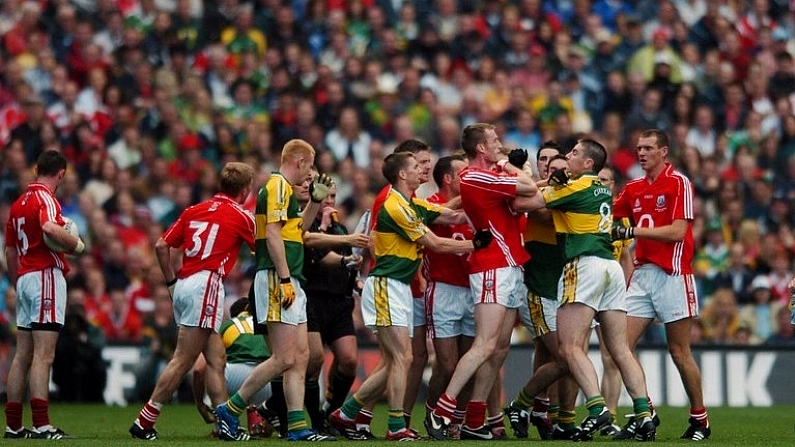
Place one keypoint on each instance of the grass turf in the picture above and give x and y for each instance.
(180, 425)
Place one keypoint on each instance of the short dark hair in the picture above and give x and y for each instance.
(596, 152)
(238, 307)
(393, 163)
(50, 163)
(443, 167)
(662, 137)
(549, 144)
(473, 135)
(411, 146)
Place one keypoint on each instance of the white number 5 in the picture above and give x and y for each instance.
(23, 238)
(200, 227)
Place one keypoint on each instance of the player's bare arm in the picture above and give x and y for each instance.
(163, 253)
(273, 235)
(309, 213)
(445, 245)
(451, 217)
(529, 204)
(12, 264)
(323, 240)
(453, 204)
(60, 235)
(525, 186)
(668, 233)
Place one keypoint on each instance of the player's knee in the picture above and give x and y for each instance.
(679, 354)
(568, 351)
(347, 364)
(404, 359)
(420, 356)
(445, 366)
(484, 347)
(284, 361)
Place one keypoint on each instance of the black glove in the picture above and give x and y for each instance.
(558, 177)
(482, 239)
(518, 157)
(619, 233)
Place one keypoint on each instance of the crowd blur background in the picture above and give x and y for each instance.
(148, 98)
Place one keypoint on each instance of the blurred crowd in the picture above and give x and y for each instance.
(147, 98)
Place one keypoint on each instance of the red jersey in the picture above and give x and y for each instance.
(448, 268)
(378, 202)
(658, 204)
(23, 229)
(485, 196)
(211, 234)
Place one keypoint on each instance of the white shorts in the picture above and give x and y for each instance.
(206, 312)
(539, 315)
(236, 374)
(41, 298)
(418, 306)
(268, 300)
(653, 293)
(503, 286)
(449, 311)
(387, 302)
(596, 282)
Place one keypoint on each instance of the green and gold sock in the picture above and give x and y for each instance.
(523, 400)
(566, 420)
(351, 407)
(395, 421)
(553, 412)
(641, 408)
(595, 405)
(236, 404)
(296, 420)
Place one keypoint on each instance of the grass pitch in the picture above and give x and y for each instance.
(180, 425)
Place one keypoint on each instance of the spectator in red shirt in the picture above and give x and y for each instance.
(121, 322)
(189, 164)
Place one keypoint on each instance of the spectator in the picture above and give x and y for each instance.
(785, 332)
(348, 141)
(737, 276)
(121, 323)
(721, 317)
(760, 314)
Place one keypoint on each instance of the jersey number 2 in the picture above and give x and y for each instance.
(200, 228)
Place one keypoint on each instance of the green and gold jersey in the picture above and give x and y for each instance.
(400, 222)
(240, 342)
(542, 271)
(277, 203)
(583, 214)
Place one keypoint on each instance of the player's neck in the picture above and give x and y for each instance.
(446, 194)
(50, 182)
(655, 173)
(404, 189)
(482, 163)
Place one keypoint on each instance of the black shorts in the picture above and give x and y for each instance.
(259, 329)
(331, 315)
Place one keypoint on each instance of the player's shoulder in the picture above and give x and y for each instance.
(436, 198)
(475, 173)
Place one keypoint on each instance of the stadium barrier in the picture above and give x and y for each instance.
(735, 377)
